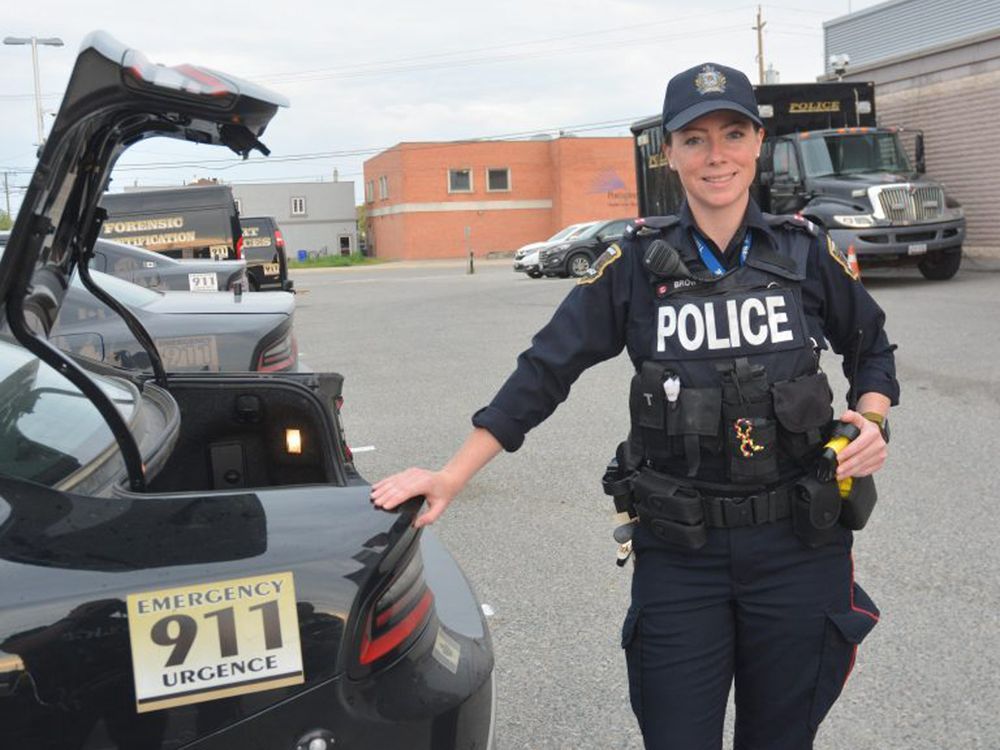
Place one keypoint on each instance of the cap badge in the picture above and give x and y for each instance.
(710, 81)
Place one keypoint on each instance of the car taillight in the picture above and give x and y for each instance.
(279, 356)
(279, 241)
(398, 615)
(239, 248)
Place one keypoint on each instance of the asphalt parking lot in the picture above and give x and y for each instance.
(422, 346)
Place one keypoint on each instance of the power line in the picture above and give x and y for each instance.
(367, 150)
(509, 45)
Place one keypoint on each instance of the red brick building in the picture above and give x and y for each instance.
(440, 200)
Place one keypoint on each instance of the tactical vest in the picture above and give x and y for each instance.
(732, 392)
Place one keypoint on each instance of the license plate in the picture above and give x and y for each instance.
(272, 269)
(219, 253)
(917, 249)
(203, 282)
(189, 353)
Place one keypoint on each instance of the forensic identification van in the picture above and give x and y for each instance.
(826, 158)
(199, 221)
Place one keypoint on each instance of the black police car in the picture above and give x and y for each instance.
(192, 560)
(574, 256)
(264, 251)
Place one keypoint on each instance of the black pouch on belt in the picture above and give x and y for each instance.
(815, 511)
(674, 513)
(858, 506)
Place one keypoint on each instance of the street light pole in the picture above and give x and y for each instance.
(34, 41)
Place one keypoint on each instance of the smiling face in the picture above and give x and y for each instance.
(715, 157)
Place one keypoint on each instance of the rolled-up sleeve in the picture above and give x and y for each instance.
(587, 328)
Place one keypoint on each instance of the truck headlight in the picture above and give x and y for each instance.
(855, 221)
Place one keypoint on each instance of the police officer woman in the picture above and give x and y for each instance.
(742, 573)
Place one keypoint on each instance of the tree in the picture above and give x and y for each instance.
(5, 221)
(362, 217)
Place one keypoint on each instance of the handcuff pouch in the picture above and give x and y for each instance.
(815, 511)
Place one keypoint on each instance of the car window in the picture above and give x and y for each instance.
(48, 428)
(579, 231)
(589, 232)
(614, 229)
(564, 232)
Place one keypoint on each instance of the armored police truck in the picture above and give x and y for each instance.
(826, 158)
(198, 221)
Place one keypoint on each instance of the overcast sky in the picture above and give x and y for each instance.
(364, 76)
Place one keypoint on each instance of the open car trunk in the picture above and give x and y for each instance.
(250, 432)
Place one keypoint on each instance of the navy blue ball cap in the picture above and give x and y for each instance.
(707, 88)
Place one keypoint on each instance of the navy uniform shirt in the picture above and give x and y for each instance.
(615, 308)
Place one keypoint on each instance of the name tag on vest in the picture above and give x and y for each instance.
(733, 325)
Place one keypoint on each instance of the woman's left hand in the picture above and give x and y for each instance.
(866, 453)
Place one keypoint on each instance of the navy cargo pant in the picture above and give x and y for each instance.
(753, 606)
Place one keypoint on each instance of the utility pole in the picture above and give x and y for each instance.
(759, 28)
(6, 191)
(34, 41)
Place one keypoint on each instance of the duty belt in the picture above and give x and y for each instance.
(681, 514)
(748, 510)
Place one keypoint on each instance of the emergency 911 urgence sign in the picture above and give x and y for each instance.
(198, 643)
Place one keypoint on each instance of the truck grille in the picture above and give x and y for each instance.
(907, 204)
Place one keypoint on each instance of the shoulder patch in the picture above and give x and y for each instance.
(842, 260)
(606, 258)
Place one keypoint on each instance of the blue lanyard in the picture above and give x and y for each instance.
(708, 257)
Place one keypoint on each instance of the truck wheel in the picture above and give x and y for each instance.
(940, 265)
(578, 265)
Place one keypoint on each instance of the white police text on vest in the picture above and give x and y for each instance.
(725, 324)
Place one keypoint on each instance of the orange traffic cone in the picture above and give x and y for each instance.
(852, 262)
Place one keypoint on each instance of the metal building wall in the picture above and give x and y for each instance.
(901, 27)
(958, 118)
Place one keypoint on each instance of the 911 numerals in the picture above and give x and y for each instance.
(182, 637)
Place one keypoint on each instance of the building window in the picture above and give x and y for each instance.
(497, 180)
(298, 205)
(383, 187)
(459, 180)
(239, 206)
(369, 191)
